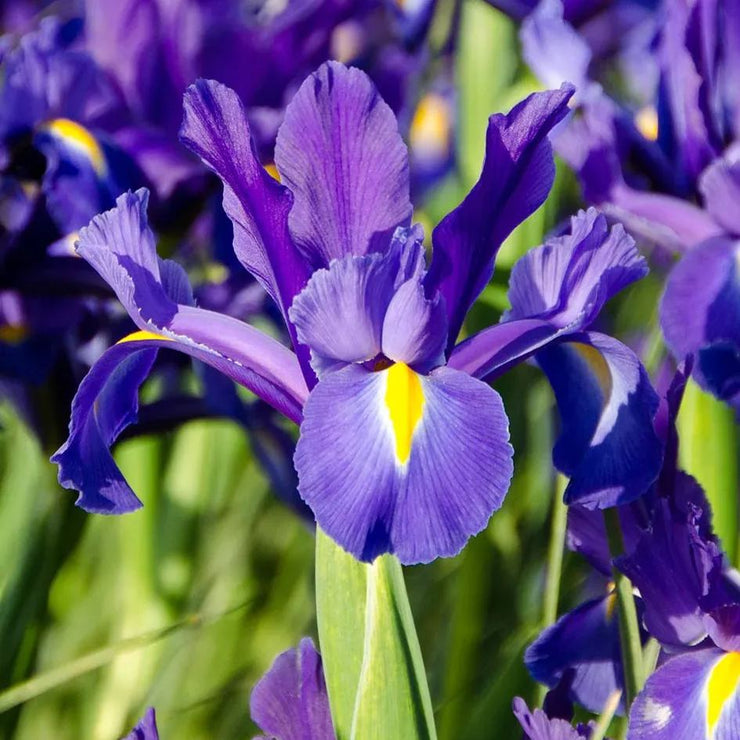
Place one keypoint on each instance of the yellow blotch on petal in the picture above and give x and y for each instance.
(598, 365)
(646, 120)
(80, 138)
(142, 336)
(404, 399)
(722, 683)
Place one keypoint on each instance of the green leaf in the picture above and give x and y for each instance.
(372, 660)
(708, 451)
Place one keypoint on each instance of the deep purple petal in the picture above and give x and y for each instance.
(584, 641)
(146, 729)
(120, 246)
(607, 444)
(517, 174)
(340, 153)
(290, 701)
(105, 404)
(422, 498)
(215, 127)
(670, 566)
(675, 701)
(568, 280)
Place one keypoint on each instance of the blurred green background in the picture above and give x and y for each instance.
(184, 604)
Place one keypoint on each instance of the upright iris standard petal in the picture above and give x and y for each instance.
(146, 729)
(694, 696)
(290, 701)
(607, 445)
(215, 127)
(340, 153)
(568, 280)
(554, 290)
(340, 313)
(517, 175)
(419, 463)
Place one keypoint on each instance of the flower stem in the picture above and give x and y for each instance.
(629, 629)
(555, 554)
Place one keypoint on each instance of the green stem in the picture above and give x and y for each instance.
(610, 709)
(629, 629)
(555, 554)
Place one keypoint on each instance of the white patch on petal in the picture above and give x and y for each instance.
(659, 715)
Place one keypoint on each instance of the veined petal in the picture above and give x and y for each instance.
(290, 700)
(569, 279)
(607, 445)
(517, 175)
(420, 462)
(538, 726)
(120, 245)
(340, 312)
(215, 127)
(693, 696)
(340, 153)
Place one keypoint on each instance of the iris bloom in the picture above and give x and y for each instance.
(670, 170)
(403, 445)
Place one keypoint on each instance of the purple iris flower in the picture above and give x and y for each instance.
(403, 447)
(146, 729)
(290, 701)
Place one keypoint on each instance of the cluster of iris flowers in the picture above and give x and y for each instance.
(269, 146)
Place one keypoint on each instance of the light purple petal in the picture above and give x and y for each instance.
(339, 314)
(719, 184)
(517, 174)
(370, 500)
(215, 127)
(674, 703)
(569, 279)
(290, 701)
(538, 726)
(415, 327)
(552, 48)
(340, 153)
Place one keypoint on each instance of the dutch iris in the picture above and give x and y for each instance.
(403, 447)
